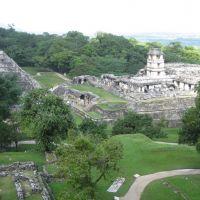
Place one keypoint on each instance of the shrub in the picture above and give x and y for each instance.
(89, 126)
(137, 123)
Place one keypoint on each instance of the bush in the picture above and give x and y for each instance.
(198, 146)
(89, 126)
(137, 123)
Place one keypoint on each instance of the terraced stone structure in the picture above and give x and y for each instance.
(75, 97)
(159, 89)
(8, 65)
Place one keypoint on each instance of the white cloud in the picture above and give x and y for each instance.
(90, 16)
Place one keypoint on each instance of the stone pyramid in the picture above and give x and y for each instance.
(8, 65)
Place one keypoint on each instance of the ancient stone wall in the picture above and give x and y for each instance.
(165, 97)
(19, 171)
(75, 97)
(7, 65)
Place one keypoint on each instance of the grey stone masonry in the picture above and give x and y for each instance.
(162, 90)
(8, 65)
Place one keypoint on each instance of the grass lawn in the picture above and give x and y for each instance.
(95, 115)
(100, 92)
(174, 188)
(113, 106)
(24, 153)
(49, 79)
(31, 70)
(172, 135)
(78, 119)
(143, 156)
(7, 189)
(46, 79)
(57, 188)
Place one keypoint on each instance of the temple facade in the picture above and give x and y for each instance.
(155, 63)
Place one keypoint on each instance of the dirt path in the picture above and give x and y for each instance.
(135, 191)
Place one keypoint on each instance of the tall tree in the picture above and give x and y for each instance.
(80, 157)
(190, 130)
(9, 95)
(47, 116)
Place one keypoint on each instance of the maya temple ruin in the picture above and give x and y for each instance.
(159, 89)
(163, 90)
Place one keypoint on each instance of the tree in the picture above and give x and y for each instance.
(133, 123)
(9, 95)
(80, 157)
(190, 130)
(89, 126)
(47, 116)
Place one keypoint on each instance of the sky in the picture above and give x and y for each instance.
(123, 17)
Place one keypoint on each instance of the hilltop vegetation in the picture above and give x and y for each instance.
(76, 54)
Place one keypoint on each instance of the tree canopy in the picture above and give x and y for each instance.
(47, 116)
(77, 54)
(133, 123)
(9, 95)
(80, 157)
(190, 130)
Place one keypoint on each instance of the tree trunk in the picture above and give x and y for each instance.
(100, 177)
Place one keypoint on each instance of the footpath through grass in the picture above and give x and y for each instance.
(143, 156)
(174, 188)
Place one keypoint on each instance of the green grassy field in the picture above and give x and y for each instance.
(49, 79)
(7, 189)
(32, 70)
(143, 156)
(100, 92)
(46, 79)
(24, 153)
(172, 135)
(174, 188)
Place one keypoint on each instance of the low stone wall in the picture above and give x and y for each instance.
(110, 114)
(17, 172)
(171, 109)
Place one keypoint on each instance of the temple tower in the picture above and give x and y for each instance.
(155, 63)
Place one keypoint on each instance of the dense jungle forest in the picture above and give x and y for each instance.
(76, 54)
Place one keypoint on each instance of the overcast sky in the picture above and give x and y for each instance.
(113, 16)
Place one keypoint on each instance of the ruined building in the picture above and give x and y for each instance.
(8, 65)
(159, 89)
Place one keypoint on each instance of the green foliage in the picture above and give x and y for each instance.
(198, 146)
(76, 54)
(133, 123)
(80, 157)
(5, 135)
(141, 156)
(9, 95)
(190, 131)
(91, 127)
(47, 116)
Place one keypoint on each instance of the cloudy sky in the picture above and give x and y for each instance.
(90, 16)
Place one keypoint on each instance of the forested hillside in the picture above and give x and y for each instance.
(76, 54)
